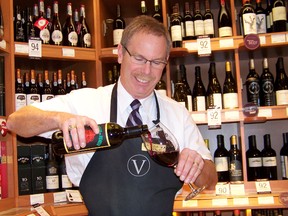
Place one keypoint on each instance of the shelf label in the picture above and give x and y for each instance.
(265, 113)
(263, 187)
(233, 115)
(60, 197)
(73, 196)
(226, 43)
(214, 117)
(34, 47)
(241, 201)
(191, 46)
(220, 202)
(21, 48)
(278, 38)
(115, 51)
(40, 210)
(237, 189)
(266, 200)
(262, 39)
(199, 117)
(3, 44)
(68, 52)
(222, 189)
(36, 198)
(204, 46)
(190, 203)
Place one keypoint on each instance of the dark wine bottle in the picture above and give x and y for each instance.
(40, 85)
(176, 28)
(221, 160)
(254, 160)
(52, 172)
(157, 11)
(247, 19)
(20, 96)
(180, 91)
(199, 92)
(83, 80)
(269, 16)
(161, 87)
(208, 20)
(182, 69)
(118, 27)
(64, 181)
(214, 91)
(47, 91)
(110, 135)
(72, 81)
(267, 95)
(281, 83)
(35, 18)
(224, 21)
(60, 84)
(84, 36)
(143, 8)
(230, 94)
(269, 160)
(279, 16)
(188, 23)
(19, 34)
(33, 95)
(198, 20)
(44, 33)
(70, 37)
(253, 85)
(284, 157)
(260, 18)
(56, 29)
(235, 165)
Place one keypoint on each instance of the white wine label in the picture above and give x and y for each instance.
(249, 23)
(225, 32)
(230, 100)
(73, 38)
(221, 164)
(33, 98)
(282, 97)
(66, 183)
(189, 27)
(269, 161)
(176, 33)
(199, 27)
(261, 23)
(117, 35)
(52, 182)
(20, 100)
(208, 27)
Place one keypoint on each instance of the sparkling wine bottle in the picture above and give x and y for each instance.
(110, 135)
(235, 165)
(161, 87)
(118, 27)
(70, 37)
(267, 94)
(56, 29)
(33, 94)
(214, 91)
(221, 159)
(60, 85)
(253, 85)
(281, 83)
(284, 157)
(84, 36)
(224, 21)
(269, 160)
(254, 160)
(47, 91)
(230, 95)
(199, 92)
(20, 96)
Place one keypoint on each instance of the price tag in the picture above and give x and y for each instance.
(204, 46)
(214, 117)
(263, 187)
(35, 48)
(237, 189)
(60, 197)
(36, 198)
(219, 202)
(74, 196)
(222, 189)
(190, 203)
(266, 200)
(40, 210)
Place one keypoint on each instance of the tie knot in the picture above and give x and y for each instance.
(135, 104)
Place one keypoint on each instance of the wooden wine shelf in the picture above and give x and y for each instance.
(58, 52)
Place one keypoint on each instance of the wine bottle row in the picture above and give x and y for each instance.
(113, 74)
(31, 87)
(38, 24)
(261, 165)
(267, 212)
(39, 171)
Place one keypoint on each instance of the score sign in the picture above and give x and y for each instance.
(263, 187)
(35, 47)
(204, 46)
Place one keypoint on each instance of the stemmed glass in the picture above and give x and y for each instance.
(163, 147)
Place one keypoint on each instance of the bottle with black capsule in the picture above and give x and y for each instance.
(214, 90)
(187, 87)
(176, 28)
(253, 85)
(235, 165)
(199, 92)
(269, 159)
(267, 94)
(70, 37)
(188, 23)
(208, 20)
(224, 21)
(260, 18)
(110, 135)
(284, 156)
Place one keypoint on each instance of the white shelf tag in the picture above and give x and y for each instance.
(21, 48)
(40, 210)
(237, 189)
(73, 196)
(199, 117)
(60, 197)
(233, 115)
(190, 203)
(35, 48)
(262, 40)
(226, 43)
(263, 187)
(222, 189)
(68, 52)
(265, 113)
(278, 38)
(267, 200)
(204, 46)
(220, 202)
(214, 117)
(36, 198)
(241, 201)
(191, 46)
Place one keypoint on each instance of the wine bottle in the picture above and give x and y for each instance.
(284, 157)
(230, 95)
(54, 84)
(49, 19)
(176, 28)
(254, 160)
(224, 21)
(19, 34)
(56, 29)
(65, 183)
(279, 16)
(269, 159)
(118, 27)
(60, 85)
(161, 87)
(235, 165)
(157, 11)
(72, 81)
(83, 80)
(143, 8)
(182, 69)
(115, 73)
(236, 212)
(110, 135)
(47, 91)
(198, 20)
(247, 19)
(221, 159)
(281, 83)
(180, 92)
(40, 85)
(199, 92)
(214, 91)
(84, 36)
(68, 82)
(70, 37)
(33, 95)
(52, 172)
(253, 85)
(44, 30)
(34, 19)
(188, 23)
(269, 16)
(20, 96)
(266, 86)
(260, 18)
(208, 20)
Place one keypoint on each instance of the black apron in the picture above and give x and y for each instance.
(125, 181)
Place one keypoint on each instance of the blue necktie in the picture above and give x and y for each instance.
(134, 117)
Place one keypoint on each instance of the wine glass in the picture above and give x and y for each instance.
(163, 148)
